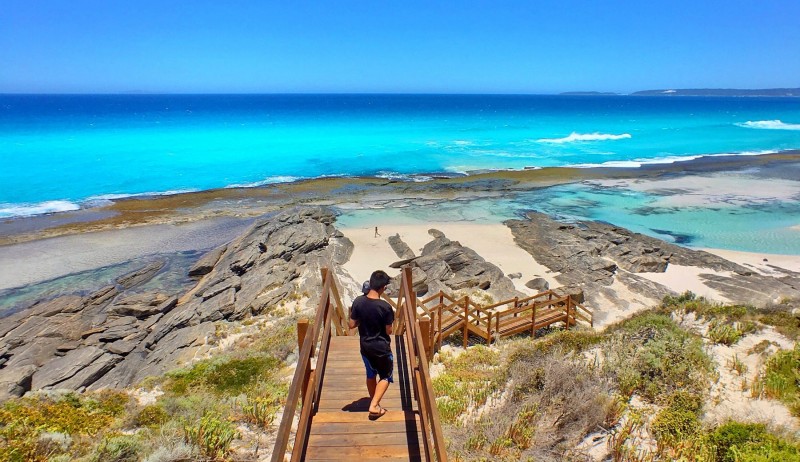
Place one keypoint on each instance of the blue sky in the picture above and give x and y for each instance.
(102, 46)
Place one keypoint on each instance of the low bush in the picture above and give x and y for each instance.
(552, 402)
(566, 341)
(679, 420)
(212, 435)
(469, 379)
(736, 441)
(223, 376)
(118, 448)
(651, 355)
(152, 415)
(781, 378)
(24, 421)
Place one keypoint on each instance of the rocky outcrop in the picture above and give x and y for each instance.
(120, 334)
(595, 255)
(447, 265)
(401, 249)
(15, 381)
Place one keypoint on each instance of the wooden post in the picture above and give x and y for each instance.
(497, 327)
(569, 302)
(425, 330)
(302, 328)
(439, 320)
(516, 301)
(466, 322)
(533, 319)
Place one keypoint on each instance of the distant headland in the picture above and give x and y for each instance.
(773, 92)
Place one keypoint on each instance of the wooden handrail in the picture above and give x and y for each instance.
(307, 382)
(433, 438)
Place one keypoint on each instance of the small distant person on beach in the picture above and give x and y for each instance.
(374, 318)
(376, 232)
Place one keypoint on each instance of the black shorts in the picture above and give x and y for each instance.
(379, 365)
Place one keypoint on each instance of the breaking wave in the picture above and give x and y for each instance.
(636, 163)
(576, 137)
(266, 181)
(29, 210)
(769, 125)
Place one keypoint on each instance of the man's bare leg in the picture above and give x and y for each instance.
(380, 390)
(371, 383)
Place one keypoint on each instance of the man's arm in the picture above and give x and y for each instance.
(389, 329)
(353, 323)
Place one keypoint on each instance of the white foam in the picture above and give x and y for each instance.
(769, 125)
(112, 197)
(266, 181)
(404, 177)
(578, 137)
(29, 210)
(635, 163)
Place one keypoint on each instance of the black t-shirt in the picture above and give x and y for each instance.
(373, 316)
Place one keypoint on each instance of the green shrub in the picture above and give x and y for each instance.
(223, 376)
(68, 414)
(686, 401)
(152, 415)
(25, 422)
(574, 340)
(118, 448)
(468, 380)
(262, 410)
(724, 333)
(651, 355)
(212, 435)
(679, 420)
(671, 425)
(783, 322)
(735, 442)
(781, 378)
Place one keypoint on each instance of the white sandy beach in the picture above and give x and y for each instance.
(494, 242)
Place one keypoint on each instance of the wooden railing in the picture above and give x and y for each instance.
(307, 381)
(422, 324)
(416, 334)
(449, 315)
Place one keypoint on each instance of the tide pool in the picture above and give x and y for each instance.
(767, 226)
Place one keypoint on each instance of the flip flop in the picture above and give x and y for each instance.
(377, 415)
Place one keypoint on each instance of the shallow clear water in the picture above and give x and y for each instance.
(172, 278)
(765, 227)
(65, 152)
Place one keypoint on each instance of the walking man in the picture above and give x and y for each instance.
(374, 318)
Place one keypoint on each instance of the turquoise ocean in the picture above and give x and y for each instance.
(65, 152)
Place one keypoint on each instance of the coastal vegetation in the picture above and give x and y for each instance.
(641, 386)
(637, 391)
(209, 410)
